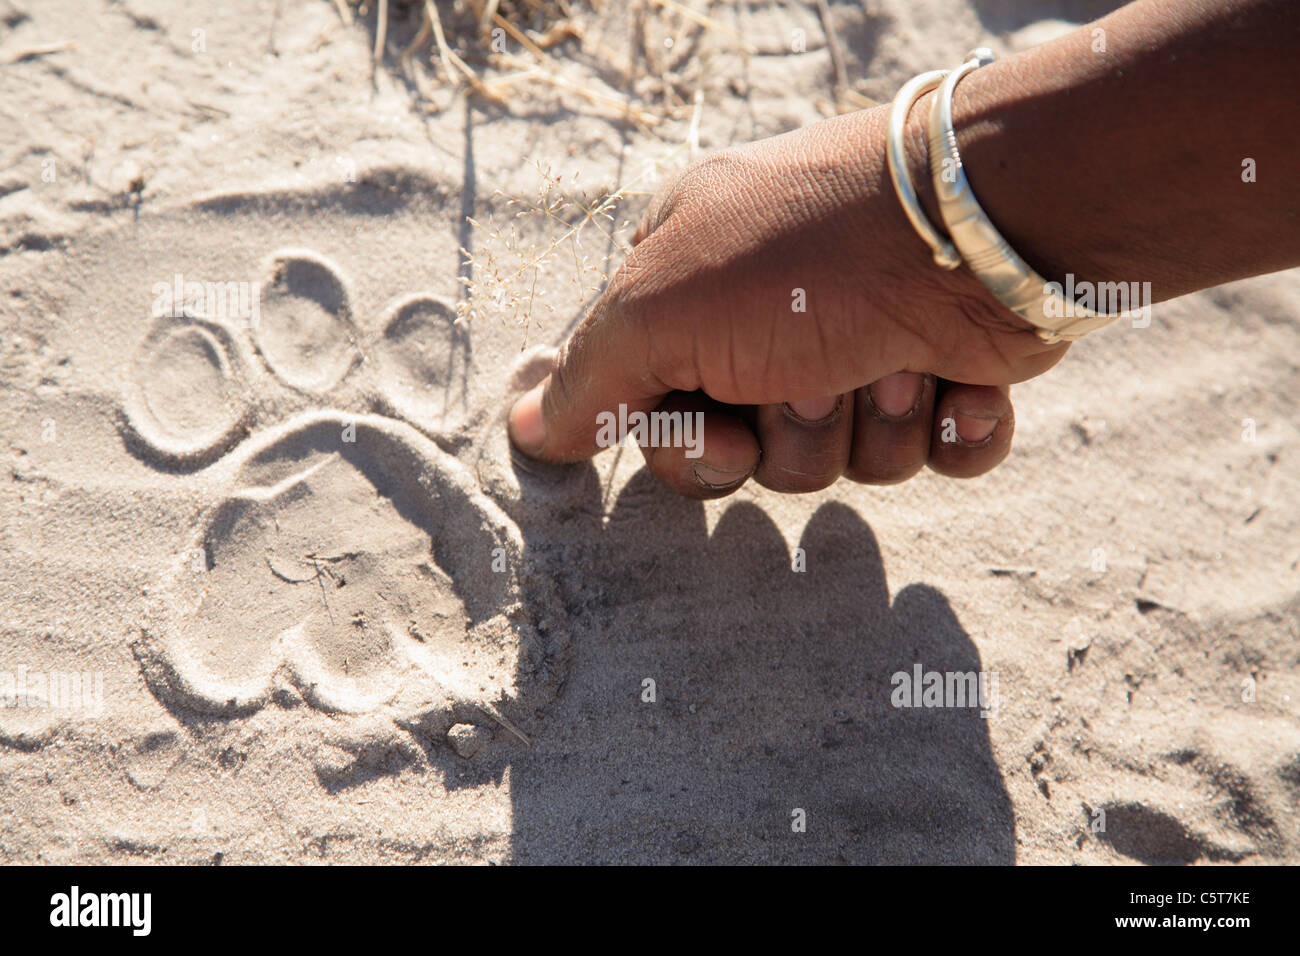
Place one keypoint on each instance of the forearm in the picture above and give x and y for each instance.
(1127, 164)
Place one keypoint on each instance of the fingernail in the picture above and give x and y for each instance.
(895, 396)
(717, 478)
(525, 423)
(972, 429)
(813, 410)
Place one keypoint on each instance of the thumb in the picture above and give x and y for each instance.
(601, 367)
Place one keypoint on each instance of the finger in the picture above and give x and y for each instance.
(805, 444)
(891, 428)
(972, 429)
(599, 375)
(718, 452)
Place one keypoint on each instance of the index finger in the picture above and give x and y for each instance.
(603, 368)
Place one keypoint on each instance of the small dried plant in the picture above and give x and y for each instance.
(539, 233)
(547, 231)
(505, 51)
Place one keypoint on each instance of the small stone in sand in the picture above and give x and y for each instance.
(466, 739)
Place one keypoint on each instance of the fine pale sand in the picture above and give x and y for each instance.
(278, 524)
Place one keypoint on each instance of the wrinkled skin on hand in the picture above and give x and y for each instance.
(779, 289)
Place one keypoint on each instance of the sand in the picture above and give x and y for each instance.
(316, 613)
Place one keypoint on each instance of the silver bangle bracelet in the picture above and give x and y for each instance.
(984, 250)
(946, 255)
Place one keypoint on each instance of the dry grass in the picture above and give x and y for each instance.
(558, 230)
(517, 53)
(504, 50)
(514, 253)
(550, 229)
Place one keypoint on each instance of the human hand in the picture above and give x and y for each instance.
(893, 364)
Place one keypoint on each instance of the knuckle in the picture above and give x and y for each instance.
(883, 469)
(801, 477)
(699, 183)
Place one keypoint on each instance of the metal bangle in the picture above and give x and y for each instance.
(988, 255)
(945, 253)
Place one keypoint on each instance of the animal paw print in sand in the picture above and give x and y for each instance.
(345, 561)
(199, 381)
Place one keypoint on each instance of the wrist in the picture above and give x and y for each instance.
(1109, 162)
(995, 149)
(971, 289)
